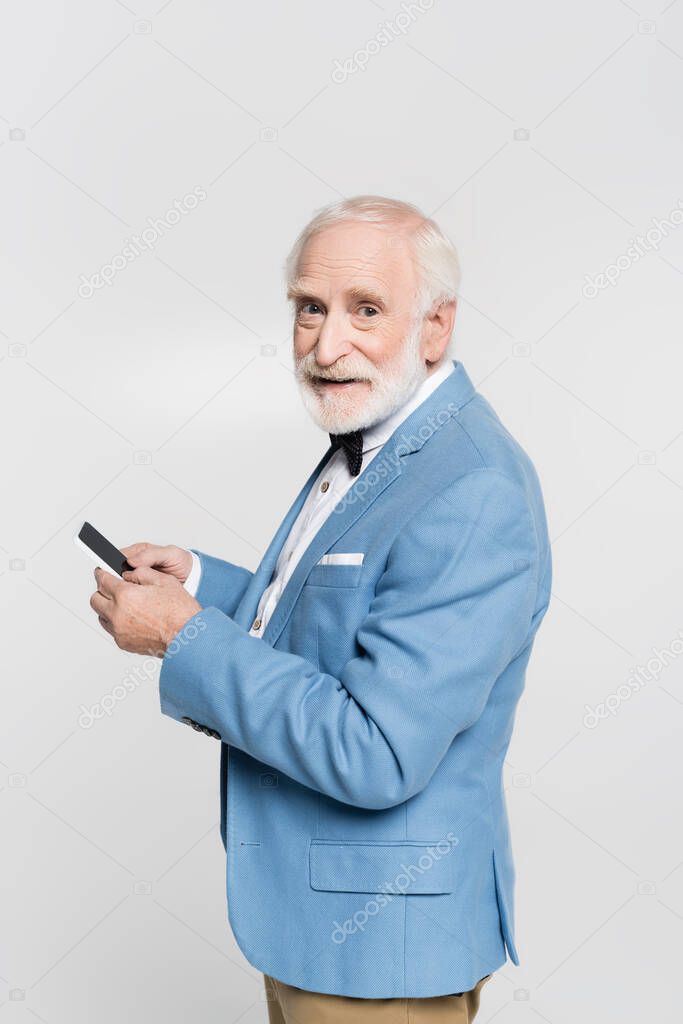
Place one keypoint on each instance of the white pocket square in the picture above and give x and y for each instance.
(354, 558)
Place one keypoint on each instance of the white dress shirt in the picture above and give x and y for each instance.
(330, 487)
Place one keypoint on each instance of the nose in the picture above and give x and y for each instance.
(332, 340)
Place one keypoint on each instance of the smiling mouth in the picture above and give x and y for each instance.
(345, 382)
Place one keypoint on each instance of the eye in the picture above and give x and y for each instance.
(367, 312)
(309, 309)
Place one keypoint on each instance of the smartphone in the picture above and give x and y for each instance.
(101, 550)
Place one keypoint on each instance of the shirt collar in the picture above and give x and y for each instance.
(376, 434)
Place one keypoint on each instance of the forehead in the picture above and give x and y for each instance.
(350, 254)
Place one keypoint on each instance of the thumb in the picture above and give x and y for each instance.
(141, 554)
(145, 575)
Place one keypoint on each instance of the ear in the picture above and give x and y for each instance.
(437, 330)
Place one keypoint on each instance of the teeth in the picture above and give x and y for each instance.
(345, 380)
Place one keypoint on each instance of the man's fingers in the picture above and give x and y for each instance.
(173, 562)
(106, 583)
(132, 548)
(105, 624)
(99, 603)
(139, 555)
(145, 575)
(142, 553)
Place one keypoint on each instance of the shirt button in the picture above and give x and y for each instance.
(256, 624)
(325, 486)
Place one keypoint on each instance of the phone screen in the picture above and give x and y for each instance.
(103, 549)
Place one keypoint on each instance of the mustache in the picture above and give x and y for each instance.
(307, 370)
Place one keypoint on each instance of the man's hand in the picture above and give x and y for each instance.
(166, 559)
(144, 611)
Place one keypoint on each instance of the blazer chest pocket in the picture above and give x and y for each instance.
(335, 574)
(403, 867)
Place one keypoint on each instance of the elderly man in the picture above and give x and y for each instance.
(363, 680)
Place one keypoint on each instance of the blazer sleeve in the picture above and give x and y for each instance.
(453, 606)
(221, 584)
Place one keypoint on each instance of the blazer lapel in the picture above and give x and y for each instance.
(244, 615)
(355, 503)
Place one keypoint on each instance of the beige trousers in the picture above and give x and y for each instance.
(290, 1005)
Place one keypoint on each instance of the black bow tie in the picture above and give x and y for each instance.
(352, 443)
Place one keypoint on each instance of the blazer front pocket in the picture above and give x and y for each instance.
(403, 867)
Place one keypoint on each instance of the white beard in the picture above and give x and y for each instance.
(391, 386)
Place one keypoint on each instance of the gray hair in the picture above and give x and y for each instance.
(435, 256)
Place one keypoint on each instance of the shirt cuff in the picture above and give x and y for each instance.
(191, 584)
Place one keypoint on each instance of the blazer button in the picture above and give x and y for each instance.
(196, 726)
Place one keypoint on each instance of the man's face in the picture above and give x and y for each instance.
(356, 346)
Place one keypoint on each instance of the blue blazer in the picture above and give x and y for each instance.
(363, 736)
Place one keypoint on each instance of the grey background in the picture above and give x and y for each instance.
(543, 137)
